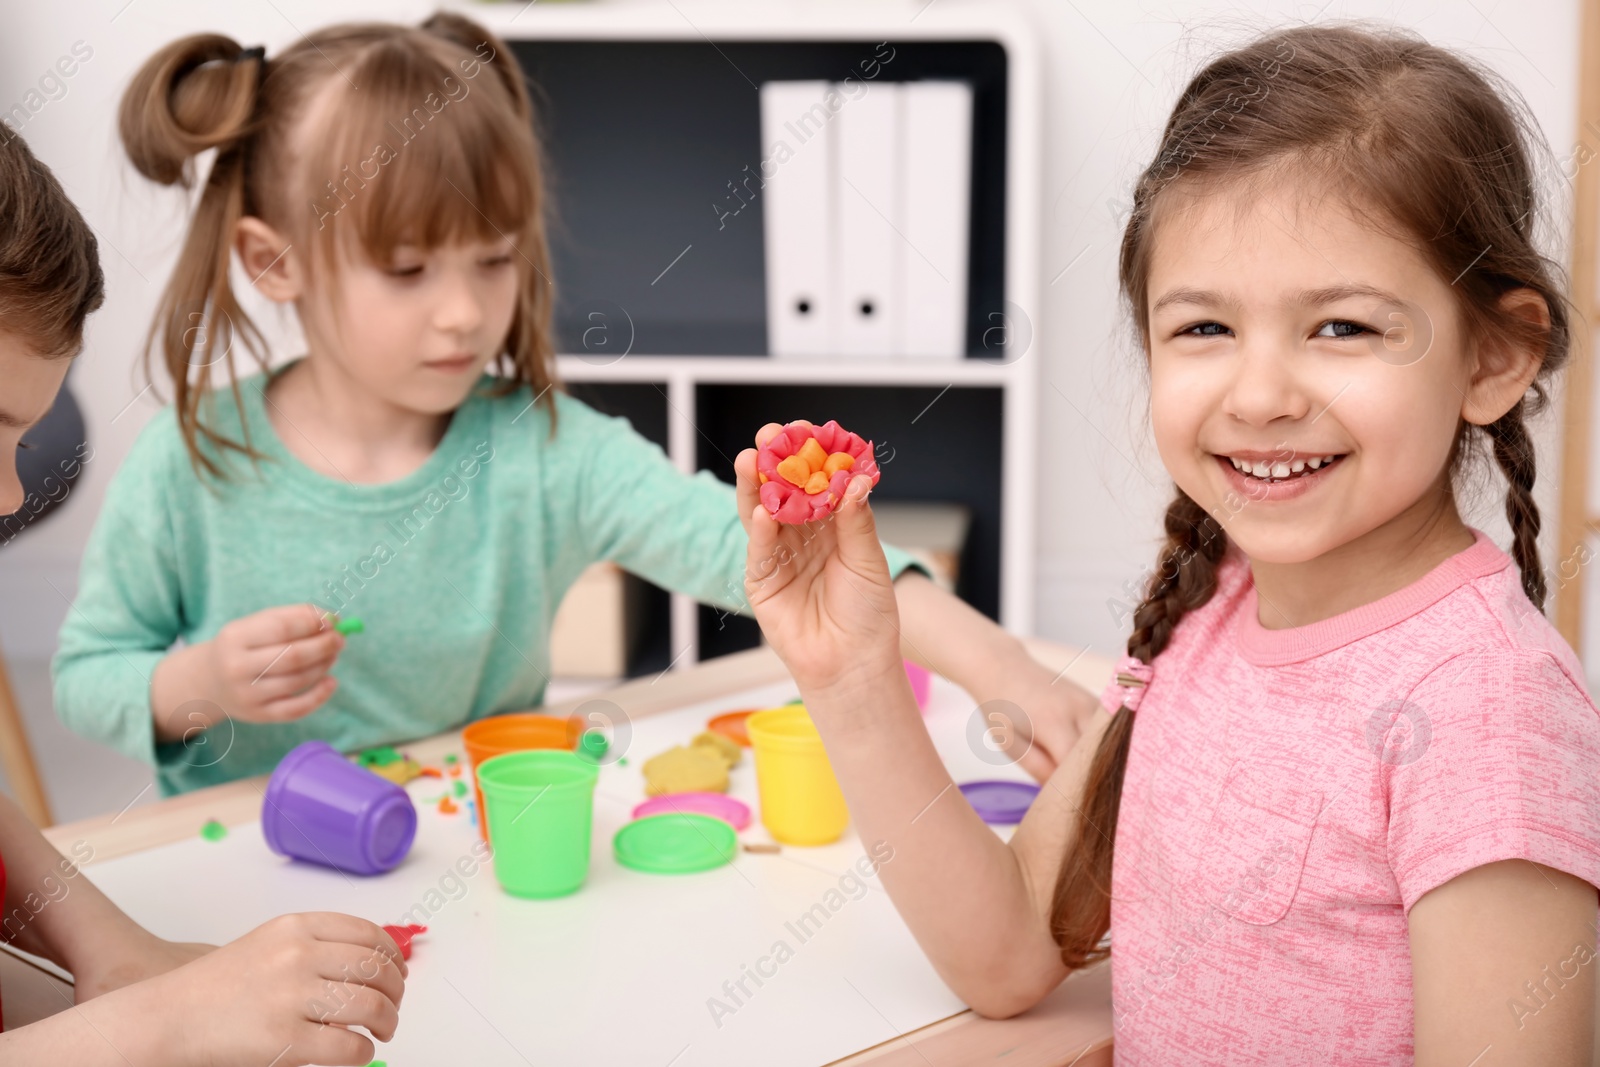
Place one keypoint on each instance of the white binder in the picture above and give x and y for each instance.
(866, 218)
(936, 126)
(797, 133)
(868, 223)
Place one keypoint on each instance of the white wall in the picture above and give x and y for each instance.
(1113, 71)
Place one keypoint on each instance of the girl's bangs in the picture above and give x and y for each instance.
(421, 155)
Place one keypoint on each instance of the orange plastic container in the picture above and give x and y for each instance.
(499, 734)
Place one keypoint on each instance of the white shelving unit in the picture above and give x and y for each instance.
(866, 21)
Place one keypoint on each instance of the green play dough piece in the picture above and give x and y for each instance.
(593, 744)
(675, 844)
(460, 788)
(378, 757)
(451, 758)
(349, 626)
(213, 830)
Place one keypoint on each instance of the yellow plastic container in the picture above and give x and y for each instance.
(800, 799)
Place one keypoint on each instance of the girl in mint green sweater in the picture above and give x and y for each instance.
(387, 471)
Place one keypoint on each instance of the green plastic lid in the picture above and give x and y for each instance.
(675, 844)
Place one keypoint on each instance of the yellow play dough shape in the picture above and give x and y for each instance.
(399, 771)
(725, 748)
(839, 461)
(685, 770)
(817, 483)
(813, 453)
(794, 470)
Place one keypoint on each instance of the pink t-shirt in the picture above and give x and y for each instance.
(1290, 794)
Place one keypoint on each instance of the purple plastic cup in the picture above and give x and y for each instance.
(322, 808)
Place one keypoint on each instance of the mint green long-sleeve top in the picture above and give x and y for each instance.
(456, 570)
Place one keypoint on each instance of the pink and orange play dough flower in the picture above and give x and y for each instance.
(804, 469)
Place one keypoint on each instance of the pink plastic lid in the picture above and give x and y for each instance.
(717, 805)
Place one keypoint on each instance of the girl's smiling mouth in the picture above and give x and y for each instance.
(1276, 475)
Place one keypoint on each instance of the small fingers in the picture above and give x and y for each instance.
(281, 625)
(333, 1045)
(339, 927)
(377, 966)
(1037, 763)
(285, 709)
(761, 559)
(274, 686)
(257, 664)
(747, 485)
(767, 433)
(350, 1002)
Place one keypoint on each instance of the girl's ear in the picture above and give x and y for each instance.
(269, 260)
(1505, 368)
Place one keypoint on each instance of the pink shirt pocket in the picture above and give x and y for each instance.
(1254, 848)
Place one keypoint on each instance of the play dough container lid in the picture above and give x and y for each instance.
(675, 844)
(717, 805)
(1000, 803)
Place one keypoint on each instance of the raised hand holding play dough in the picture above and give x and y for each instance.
(804, 469)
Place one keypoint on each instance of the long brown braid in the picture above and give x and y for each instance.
(1513, 451)
(1422, 139)
(1185, 578)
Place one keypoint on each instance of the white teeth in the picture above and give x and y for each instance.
(1280, 469)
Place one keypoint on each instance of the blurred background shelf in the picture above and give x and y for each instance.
(652, 131)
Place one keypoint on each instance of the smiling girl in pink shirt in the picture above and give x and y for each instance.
(1341, 803)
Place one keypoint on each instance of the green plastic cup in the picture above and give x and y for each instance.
(540, 806)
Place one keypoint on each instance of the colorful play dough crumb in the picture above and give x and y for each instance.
(683, 769)
(213, 830)
(762, 846)
(459, 788)
(725, 748)
(447, 806)
(455, 770)
(622, 761)
(431, 772)
(400, 772)
(804, 469)
(381, 756)
(349, 626)
(472, 813)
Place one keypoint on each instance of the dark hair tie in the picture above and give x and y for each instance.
(258, 52)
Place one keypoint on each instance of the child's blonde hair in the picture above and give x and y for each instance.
(1422, 141)
(429, 139)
